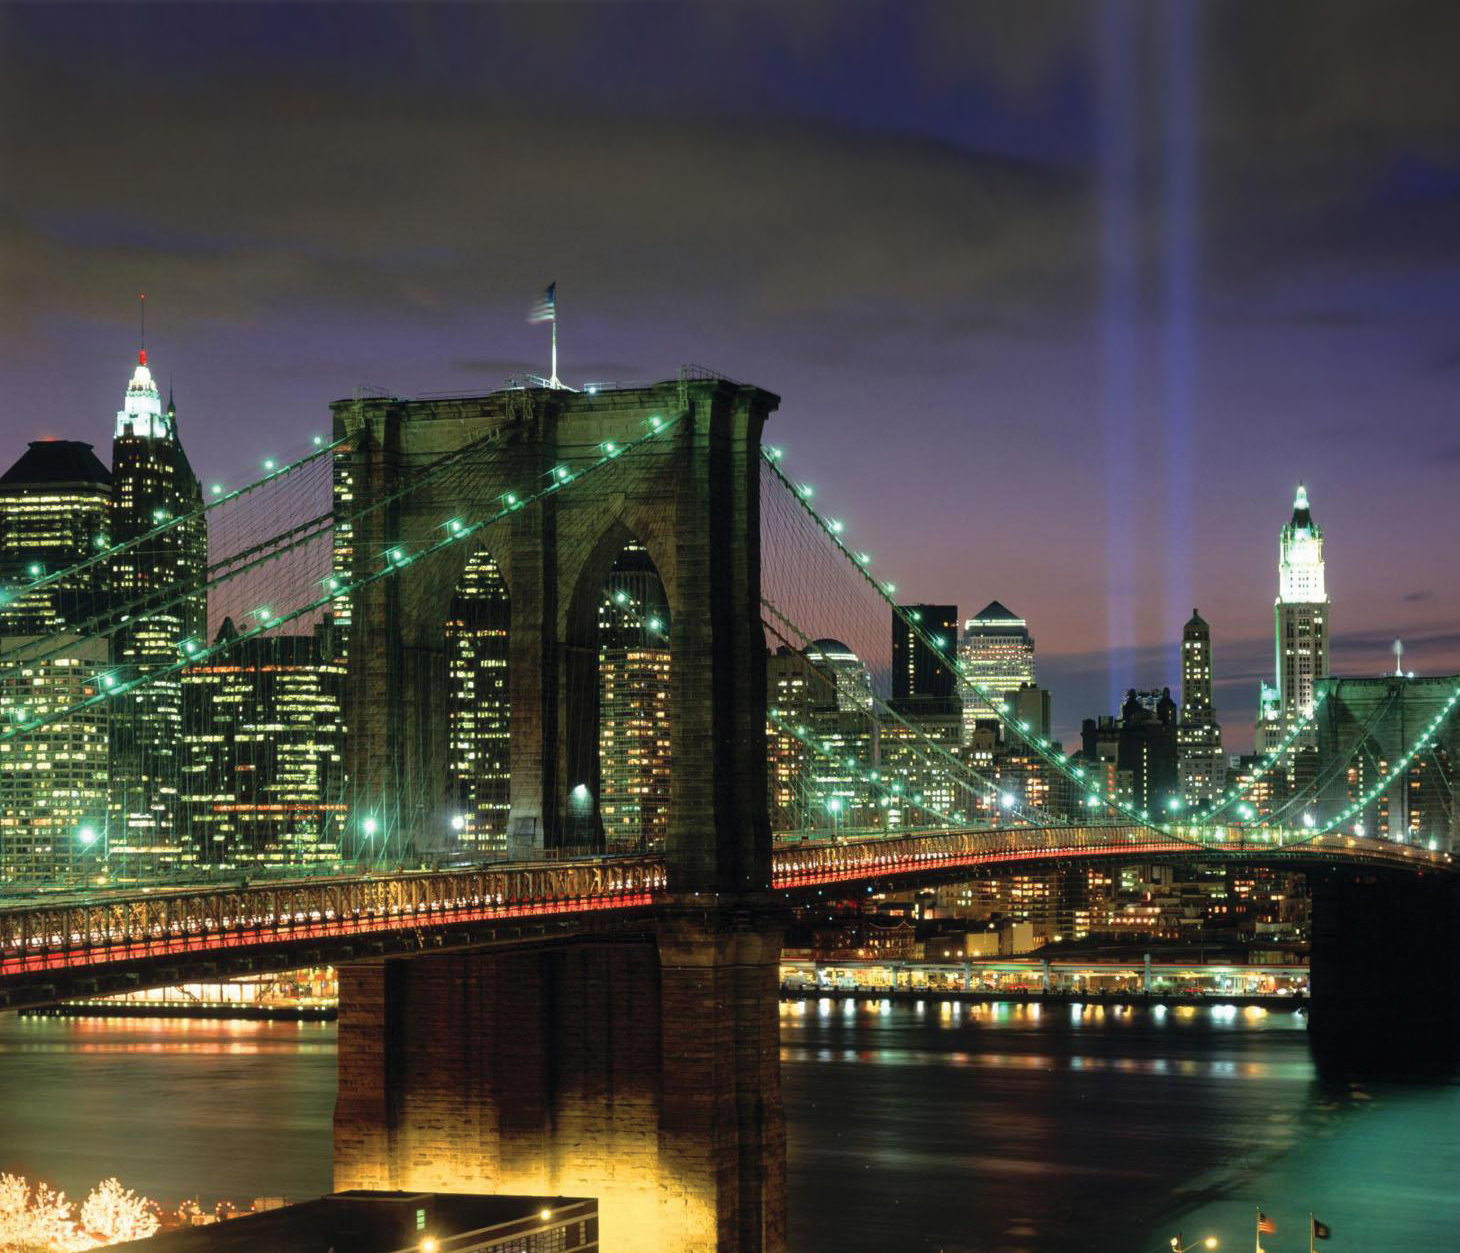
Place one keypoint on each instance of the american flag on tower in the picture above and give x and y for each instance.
(546, 308)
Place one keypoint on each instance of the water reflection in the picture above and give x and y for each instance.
(936, 1126)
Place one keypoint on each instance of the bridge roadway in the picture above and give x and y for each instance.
(59, 946)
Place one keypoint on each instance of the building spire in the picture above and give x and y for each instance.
(1300, 500)
(141, 328)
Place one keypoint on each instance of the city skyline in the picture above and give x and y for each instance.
(1238, 674)
(1007, 340)
(694, 603)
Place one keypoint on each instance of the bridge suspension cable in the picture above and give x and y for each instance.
(1234, 794)
(1314, 788)
(221, 498)
(341, 586)
(1396, 768)
(116, 617)
(1096, 798)
(959, 772)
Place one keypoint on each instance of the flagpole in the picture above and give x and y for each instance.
(1257, 1230)
(1310, 1231)
(555, 382)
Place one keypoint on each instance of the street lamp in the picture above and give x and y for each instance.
(1209, 1243)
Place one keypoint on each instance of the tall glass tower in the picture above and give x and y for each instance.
(1300, 612)
(160, 587)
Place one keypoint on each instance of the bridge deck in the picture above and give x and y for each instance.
(89, 943)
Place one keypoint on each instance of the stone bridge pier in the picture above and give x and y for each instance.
(1385, 975)
(641, 1071)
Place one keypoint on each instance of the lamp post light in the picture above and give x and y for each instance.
(88, 837)
(1210, 1242)
(834, 808)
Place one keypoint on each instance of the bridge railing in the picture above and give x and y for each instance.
(834, 861)
(141, 924)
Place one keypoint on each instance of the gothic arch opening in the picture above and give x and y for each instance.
(479, 708)
(634, 695)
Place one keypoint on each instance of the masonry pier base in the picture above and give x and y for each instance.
(644, 1072)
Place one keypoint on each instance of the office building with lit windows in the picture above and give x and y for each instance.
(263, 779)
(479, 707)
(995, 655)
(159, 588)
(53, 781)
(822, 739)
(54, 503)
(1200, 763)
(633, 705)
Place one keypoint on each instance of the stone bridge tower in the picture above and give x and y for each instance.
(642, 1068)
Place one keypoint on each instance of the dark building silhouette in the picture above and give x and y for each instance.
(1142, 744)
(920, 682)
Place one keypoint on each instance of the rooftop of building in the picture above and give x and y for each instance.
(380, 1222)
(996, 611)
(832, 650)
(56, 461)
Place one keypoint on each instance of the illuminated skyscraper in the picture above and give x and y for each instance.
(53, 782)
(479, 706)
(53, 516)
(1199, 759)
(1300, 612)
(159, 584)
(263, 760)
(997, 654)
(633, 704)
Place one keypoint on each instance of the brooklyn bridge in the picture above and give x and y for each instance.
(553, 1013)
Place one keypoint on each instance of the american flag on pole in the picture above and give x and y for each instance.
(1265, 1225)
(546, 308)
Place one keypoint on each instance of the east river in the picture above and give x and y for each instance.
(990, 1128)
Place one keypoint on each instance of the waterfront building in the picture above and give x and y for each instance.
(918, 676)
(479, 707)
(1300, 612)
(159, 584)
(633, 704)
(263, 779)
(53, 783)
(996, 654)
(1200, 764)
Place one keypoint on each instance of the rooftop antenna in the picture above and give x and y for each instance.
(141, 328)
(1398, 650)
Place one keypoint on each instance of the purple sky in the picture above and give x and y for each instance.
(1062, 300)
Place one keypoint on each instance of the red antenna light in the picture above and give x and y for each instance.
(142, 315)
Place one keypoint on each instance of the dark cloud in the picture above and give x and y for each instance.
(1419, 597)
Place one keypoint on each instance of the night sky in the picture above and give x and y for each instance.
(1062, 300)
